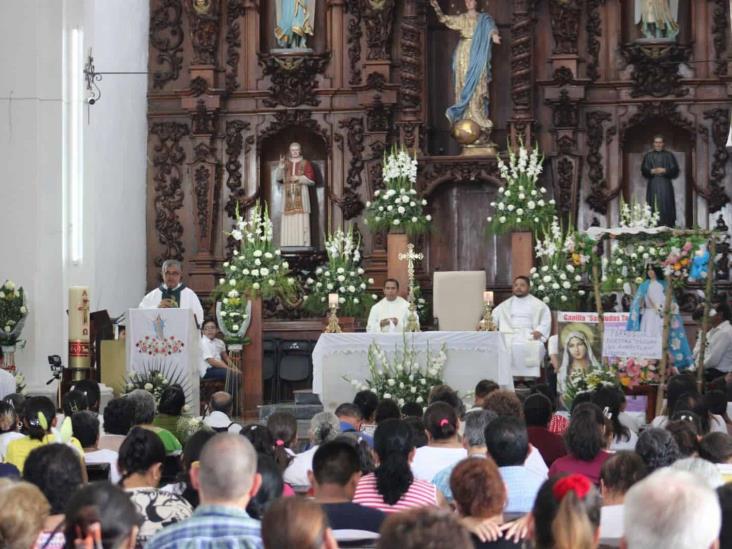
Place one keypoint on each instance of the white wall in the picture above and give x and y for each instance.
(33, 235)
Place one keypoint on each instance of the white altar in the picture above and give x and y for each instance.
(471, 356)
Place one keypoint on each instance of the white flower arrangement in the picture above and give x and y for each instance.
(398, 207)
(343, 275)
(256, 269)
(521, 205)
(562, 264)
(401, 378)
(637, 216)
(154, 377)
(13, 312)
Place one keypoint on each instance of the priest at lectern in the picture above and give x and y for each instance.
(172, 293)
(390, 314)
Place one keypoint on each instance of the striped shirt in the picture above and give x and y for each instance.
(419, 494)
(558, 424)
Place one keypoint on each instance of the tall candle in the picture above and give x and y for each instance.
(332, 300)
(488, 297)
(79, 327)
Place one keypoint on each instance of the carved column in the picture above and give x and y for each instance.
(205, 169)
(411, 90)
(522, 29)
(251, 31)
(337, 39)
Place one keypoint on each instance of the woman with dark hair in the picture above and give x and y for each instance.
(118, 416)
(609, 400)
(443, 445)
(685, 431)
(678, 386)
(567, 513)
(283, 428)
(585, 438)
(392, 487)
(716, 403)
(39, 418)
(324, 427)
(170, 410)
(480, 493)
(260, 437)
(190, 455)
(57, 471)
(367, 401)
(271, 489)
(657, 448)
(387, 409)
(141, 459)
(102, 511)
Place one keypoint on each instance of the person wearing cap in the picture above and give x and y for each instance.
(219, 419)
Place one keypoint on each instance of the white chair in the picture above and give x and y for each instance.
(457, 300)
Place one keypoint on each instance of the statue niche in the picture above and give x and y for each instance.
(292, 175)
(639, 142)
(293, 26)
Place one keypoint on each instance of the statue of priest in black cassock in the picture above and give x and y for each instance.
(660, 168)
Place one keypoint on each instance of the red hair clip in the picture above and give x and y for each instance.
(579, 484)
(444, 421)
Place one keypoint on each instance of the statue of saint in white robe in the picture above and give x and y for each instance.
(384, 309)
(517, 318)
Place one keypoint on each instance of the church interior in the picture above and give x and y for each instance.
(271, 208)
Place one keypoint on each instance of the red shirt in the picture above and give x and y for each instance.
(550, 445)
(570, 464)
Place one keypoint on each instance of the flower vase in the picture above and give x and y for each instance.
(396, 244)
(8, 363)
(522, 253)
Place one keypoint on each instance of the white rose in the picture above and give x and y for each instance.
(271, 282)
(419, 399)
(235, 327)
(511, 207)
(396, 222)
(341, 278)
(221, 281)
(257, 253)
(255, 285)
(566, 285)
(563, 297)
(502, 219)
(232, 282)
(255, 272)
(387, 395)
(148, 386)
(264, 271)
(245, 272)
(268, 255)
(405, 199)
(23, 309)
(257, 262)
(428, 217)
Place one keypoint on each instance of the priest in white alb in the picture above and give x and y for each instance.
(173, 293)
(525, 323)
(390, 314)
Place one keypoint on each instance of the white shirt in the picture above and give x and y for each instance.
(719, 348)
(219, 420)
(535, 462)
(104, 456)
(188, 300)
(296, 473)
(634, 422)
(623, 444)
(716, 423)
(428, 460)
(399, 309)
(612, 523)
(7, 383)
(210, 348)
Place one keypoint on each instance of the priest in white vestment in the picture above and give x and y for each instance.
(390, 314)
(172, 293)
(526, 323)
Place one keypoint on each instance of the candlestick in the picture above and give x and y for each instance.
(333, 326)
(333, 300)
(488, 297)
(79, 331)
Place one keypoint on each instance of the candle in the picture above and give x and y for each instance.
(488, 297)
(79, 327)
(332, 300)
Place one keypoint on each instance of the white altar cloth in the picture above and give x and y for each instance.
(471, 356)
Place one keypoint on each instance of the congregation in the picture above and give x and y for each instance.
(509, 472)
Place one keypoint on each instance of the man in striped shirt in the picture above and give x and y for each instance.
(226, 479)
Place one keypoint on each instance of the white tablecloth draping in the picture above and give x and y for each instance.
(471, 356)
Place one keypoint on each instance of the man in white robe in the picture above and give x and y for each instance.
(526, 323)
(390, 314)
(172, 293)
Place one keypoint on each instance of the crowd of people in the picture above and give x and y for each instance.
(509, 472)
